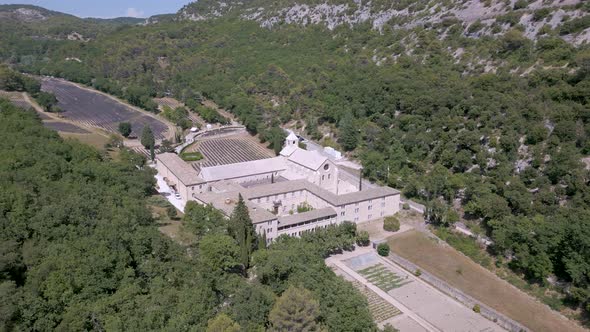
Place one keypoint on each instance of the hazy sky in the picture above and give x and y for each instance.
(108, 8)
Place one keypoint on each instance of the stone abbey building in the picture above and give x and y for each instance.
(297, 191)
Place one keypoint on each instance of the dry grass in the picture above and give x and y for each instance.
(172, 227)
(94, 139)
(445, 262)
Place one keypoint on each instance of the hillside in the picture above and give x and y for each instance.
(38, 22)
(467, 108)
(475, 18)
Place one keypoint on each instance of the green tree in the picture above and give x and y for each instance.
(222, 323)
(348, 133)
(166, 146)
(295, 310)
(362, 239)
(147, 137)
(391, 224)
(242, 230)
(383, 249)
(47, 100)
(218, 252)
(202, 219)
(125, 129)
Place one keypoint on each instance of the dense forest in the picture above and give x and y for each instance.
(79, 250)
(493, 129)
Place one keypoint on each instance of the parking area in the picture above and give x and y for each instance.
(169, 194)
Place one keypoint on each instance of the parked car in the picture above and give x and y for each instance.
(177, 195)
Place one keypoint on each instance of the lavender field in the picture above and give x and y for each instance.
(97, 110)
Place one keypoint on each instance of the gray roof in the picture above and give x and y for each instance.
(306, 216)
(253, 167)
(310, 159)
(336, 200)
(226, 202)
(288, 150)
(182, 170)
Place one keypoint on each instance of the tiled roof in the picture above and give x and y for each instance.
(288, 150)
(182, 170)
(310, 159)
(226, 202)
(230, 171)
(336, 200)
(306, 216)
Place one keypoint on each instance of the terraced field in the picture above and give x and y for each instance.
(230, 150)
(379, 308)
(97, 110)
(382, 277)
(15, 98)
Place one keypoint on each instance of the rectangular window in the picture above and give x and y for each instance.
(342, 213)
(370, 207)
(356, 219)
(356, 210)
(383, 204)
(328, 176)
(370, 216)
(323, 177)
(382, 213)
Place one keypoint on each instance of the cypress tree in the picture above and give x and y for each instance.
(242, 230)
(348, 133)
(147, 137)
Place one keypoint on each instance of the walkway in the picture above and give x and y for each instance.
(336, 261)
(168, 193)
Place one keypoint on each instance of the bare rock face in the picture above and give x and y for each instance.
(477, 18)
(28, 14)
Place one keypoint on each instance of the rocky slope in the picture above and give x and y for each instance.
(568, 18)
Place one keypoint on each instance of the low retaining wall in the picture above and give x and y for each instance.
(413, 205)
(458, 295)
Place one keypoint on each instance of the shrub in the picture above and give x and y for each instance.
(304, 207)
(362, 239)
(391, 224)
(383, 249)
(541, 14)
(171, 211)
(476, 308)
(520, 4)
(191, 156)
(406, 206)
(418, 272)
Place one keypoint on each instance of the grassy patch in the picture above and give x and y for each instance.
(478, 282)
(191, 156)
(466, 245)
